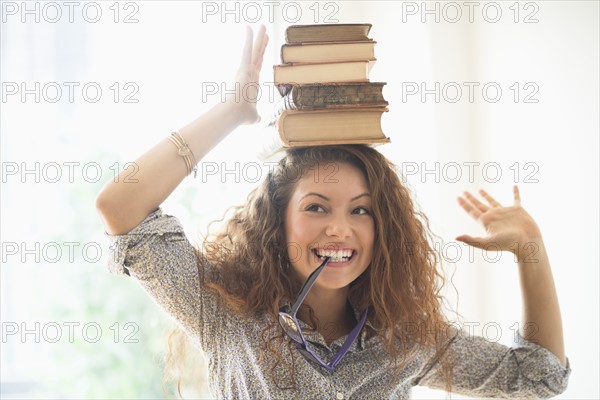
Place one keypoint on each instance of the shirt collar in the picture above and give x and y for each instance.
(317, 338)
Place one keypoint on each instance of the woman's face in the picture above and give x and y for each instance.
(329, 213)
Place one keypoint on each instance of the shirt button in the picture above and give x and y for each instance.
(339, 395)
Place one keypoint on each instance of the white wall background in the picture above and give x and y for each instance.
(175, 51)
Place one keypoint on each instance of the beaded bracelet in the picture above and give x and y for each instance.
(184, 151)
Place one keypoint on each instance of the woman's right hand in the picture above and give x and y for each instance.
(247, 77)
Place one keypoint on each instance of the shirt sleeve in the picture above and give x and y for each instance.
(488, 369)
(158, 255)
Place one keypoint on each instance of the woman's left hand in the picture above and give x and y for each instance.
(505, 226)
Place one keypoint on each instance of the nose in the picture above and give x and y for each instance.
(338, 226)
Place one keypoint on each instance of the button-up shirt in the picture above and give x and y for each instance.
(158, 254)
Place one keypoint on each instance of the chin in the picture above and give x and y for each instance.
(332, 282)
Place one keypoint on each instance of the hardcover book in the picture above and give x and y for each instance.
(314, 96)
(340, 71)
(318, 127)
(327, 33)
(327, 51)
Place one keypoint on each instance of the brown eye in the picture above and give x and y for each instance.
(314, 207)
(364, 211)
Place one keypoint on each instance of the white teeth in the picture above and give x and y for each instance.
(336, 256)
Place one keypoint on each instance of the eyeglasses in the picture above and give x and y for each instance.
(291, 327)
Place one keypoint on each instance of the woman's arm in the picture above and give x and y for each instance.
(542, 323)
(123, 205)
(513, 229)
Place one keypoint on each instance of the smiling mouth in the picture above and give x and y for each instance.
(335, 256)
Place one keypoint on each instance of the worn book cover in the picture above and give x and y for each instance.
(327, 33)
(330, 96)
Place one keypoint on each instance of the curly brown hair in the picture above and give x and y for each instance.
(401, 286)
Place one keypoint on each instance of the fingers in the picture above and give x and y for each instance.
(469, 208)
(473, 200)
(517, 195)
(491, 201)
(489, 198)
(474, 207)
(247, 52)
(259, 46)
(478, 242)
(253, 52)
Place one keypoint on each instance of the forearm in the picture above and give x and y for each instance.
(541, 312)
(124, 203)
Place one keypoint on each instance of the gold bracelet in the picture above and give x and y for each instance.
(184, 151)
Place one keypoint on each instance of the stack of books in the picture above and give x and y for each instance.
(327, 97)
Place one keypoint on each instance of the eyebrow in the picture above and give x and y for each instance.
(328, 199)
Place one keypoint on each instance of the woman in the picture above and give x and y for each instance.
(324, 283)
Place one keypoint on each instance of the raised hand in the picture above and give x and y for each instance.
(508, 228)
(247, 76)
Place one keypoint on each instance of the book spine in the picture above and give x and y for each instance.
(311, 97)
